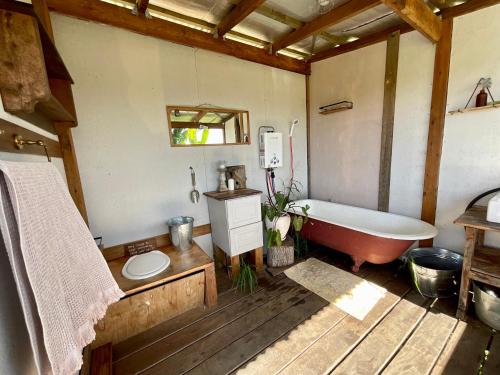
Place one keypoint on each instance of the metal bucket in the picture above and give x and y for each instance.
(487, 304)
(435, 271)
(181, 232)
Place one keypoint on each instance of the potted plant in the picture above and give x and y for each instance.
(246, 281)
(276, 213)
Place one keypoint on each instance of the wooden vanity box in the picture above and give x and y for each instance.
(187, 283)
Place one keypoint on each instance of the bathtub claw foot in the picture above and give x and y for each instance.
(357, 263)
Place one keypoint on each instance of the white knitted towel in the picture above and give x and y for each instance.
(63, 281)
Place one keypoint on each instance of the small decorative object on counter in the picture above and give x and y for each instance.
(230, 184)
(222, 177)
(238, 174)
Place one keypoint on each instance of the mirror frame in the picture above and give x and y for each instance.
(170, 108)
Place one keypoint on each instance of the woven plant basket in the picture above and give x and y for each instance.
(280, 256)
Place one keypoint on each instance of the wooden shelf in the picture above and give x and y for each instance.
(334, 110)
(231, 194)
(486, 261)
(475, 217)
(54, 110)
(480, 263)
(474, 109)
(29, 66)
(53, 61)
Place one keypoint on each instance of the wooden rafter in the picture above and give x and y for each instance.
(362, 42)
(117, 16)
(142, 6)
(418, 15)
(211, 27)
(236, 15)
(468, 7)
(294, 23)
(318, 24)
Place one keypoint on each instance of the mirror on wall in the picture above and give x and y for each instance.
(199, 126)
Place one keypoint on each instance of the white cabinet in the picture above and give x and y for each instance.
(236, 222)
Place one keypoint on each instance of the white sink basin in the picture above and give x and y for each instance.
(145, 265)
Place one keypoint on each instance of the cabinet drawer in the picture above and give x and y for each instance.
(243, 211)
(245, 238)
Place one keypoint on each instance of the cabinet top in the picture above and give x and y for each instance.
(226, 195)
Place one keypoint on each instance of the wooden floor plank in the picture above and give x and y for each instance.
(278, 356)
(464, 350)
(331, 348)
(192, 333)
(423, 348)
(171, 326)
(372, 354)
(234, 355)
(196, 353)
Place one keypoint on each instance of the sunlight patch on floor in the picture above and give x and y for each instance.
(350, 293)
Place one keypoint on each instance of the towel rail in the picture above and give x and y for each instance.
(8, 133)
(20, 142)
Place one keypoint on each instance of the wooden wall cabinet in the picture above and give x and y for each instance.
(30, 66)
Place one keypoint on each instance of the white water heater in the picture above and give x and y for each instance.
(270, 150)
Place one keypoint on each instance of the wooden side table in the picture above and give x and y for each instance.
(480, 263)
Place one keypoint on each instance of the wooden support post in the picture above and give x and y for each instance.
(436, 125)
(257, 259)
(61, 89)
(391, 74)
(42, 11)
(234, 266)
(470, 244)
(308, 132)
(210, 286)
(102, 360)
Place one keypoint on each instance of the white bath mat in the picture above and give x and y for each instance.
(348, 292)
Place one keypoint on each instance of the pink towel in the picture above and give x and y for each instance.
(63, 281)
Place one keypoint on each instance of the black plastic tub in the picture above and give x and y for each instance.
(435, 271)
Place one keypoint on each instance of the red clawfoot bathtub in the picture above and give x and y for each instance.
(366, 235)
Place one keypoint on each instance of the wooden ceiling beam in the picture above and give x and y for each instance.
(418, 15)
(237, 14)
(362, 42)
(294, 23)
(211, 27)
(121, 17)
(142, 6)
(335, 16)
(468, 7)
